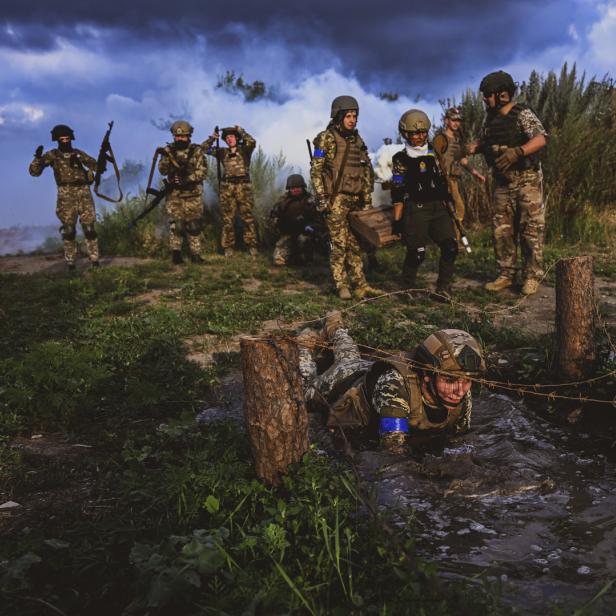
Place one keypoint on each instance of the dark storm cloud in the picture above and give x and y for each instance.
(389, 45)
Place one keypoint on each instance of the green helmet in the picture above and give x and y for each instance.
(452, 351)
(295, 180)
(230, 130)
(343, 103)
(181, 127)
(414, 120)
(61, 130)
(498, 81)
(453, 113)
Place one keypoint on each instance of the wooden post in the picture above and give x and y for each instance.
(275, 410)
(575, 317)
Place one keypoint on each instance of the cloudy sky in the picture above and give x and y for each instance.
(139, 61)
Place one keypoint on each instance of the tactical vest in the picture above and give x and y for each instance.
(68, 168)
(501, 132)
(294, 214)
(454, 154)
(354, 407)
(352, 182)
(184, 158)
(423, 181)
(235, 164)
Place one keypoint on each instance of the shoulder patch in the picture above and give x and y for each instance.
(318, 153)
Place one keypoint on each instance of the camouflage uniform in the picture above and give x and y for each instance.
(291, 216)
(73, 172)
(450, 152)
(355, 392)
(354, 193)
(184, 204)
(518, 198)
(235, 188)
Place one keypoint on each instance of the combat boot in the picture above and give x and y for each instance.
(344, 293)
(366, 291)
(176, 257)
(70, 267)
(198, 259)
(501, 283)
(333, 322)
(443, 283)
(95, 264)
(530, 286)
(228, 252)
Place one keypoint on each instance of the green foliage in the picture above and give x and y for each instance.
(235, 84)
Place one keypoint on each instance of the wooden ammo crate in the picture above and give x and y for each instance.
(374, 225)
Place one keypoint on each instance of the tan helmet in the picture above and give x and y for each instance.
(414, 120)
(453, 113)
(181, 127)
(452, 351)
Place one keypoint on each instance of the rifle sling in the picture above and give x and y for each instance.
(111, 158)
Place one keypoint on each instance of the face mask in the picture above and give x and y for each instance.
(65, 147)
(181, 145)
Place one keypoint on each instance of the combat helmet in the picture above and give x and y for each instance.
(412, 121)
(343, 104)
(498, 81)
(230, 130)
(181, 127)
(61, 130)
(295, 180)
(452, 351)
(453, 113)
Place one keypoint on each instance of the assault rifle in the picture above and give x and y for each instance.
(218, 171)
(106, 155)
(309, 148)
(451, 210)
(158, 195)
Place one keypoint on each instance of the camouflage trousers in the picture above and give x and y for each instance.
(518, 202)
(345, 255)
(458, 202)
(288, 246)
(183, 209)
(235, 197)
(75, 202)
(347, 362)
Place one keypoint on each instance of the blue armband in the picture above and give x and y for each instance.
(318, 153)
(393, 424)
(210, 150)
(397, 179)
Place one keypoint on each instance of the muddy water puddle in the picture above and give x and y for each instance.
(521, 501)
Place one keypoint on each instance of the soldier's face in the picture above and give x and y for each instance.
(417, 138)
(350, 120)
(496, 98)
(451, 389)
(231, 140)
(296, 192)
(64, 139)
(181, 138)
(453, 125)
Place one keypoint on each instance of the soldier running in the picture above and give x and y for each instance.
(73, 171)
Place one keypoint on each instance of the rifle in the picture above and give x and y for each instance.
(451, 210)
(218, 172)
(159, 195)
(309, 148)
(106, 155)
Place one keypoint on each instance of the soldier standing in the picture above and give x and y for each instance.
(418, 193)
(295, 219)
(236, 187)
(343, 179)
(425, 392)
(511, 137)
(184, 165)
(73, 171)
(450, 150)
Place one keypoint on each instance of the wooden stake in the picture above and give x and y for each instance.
(275, 410)
(575, 317)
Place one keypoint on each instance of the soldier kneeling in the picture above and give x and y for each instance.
(295, 219)
(422, 393)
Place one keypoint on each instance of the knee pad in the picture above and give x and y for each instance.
(415, 256)
(194, 227)
(449, 249)
(89, 231)
(68, 232)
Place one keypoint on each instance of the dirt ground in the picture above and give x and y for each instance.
(54, 264)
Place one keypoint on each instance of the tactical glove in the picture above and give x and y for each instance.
(509, 157)
(308, 229)
(39, 152)
(396, 227)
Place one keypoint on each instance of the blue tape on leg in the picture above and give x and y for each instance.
(394, 424)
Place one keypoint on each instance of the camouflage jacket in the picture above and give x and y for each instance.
(189, 164)
(290, 215)
(74, 168)
(236, 162)
(325, 167)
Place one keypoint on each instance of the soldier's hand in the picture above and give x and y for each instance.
(479, 176)
(308, 230)
(509, 157)
(472, 147)
(323, 204)
(216, 134)
(39, 152)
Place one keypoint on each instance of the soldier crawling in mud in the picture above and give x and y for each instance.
(73, 171)
(512, 136)
(296, 221)
(410, 395)
(343, 180)
(235, 187)
(184, 165)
